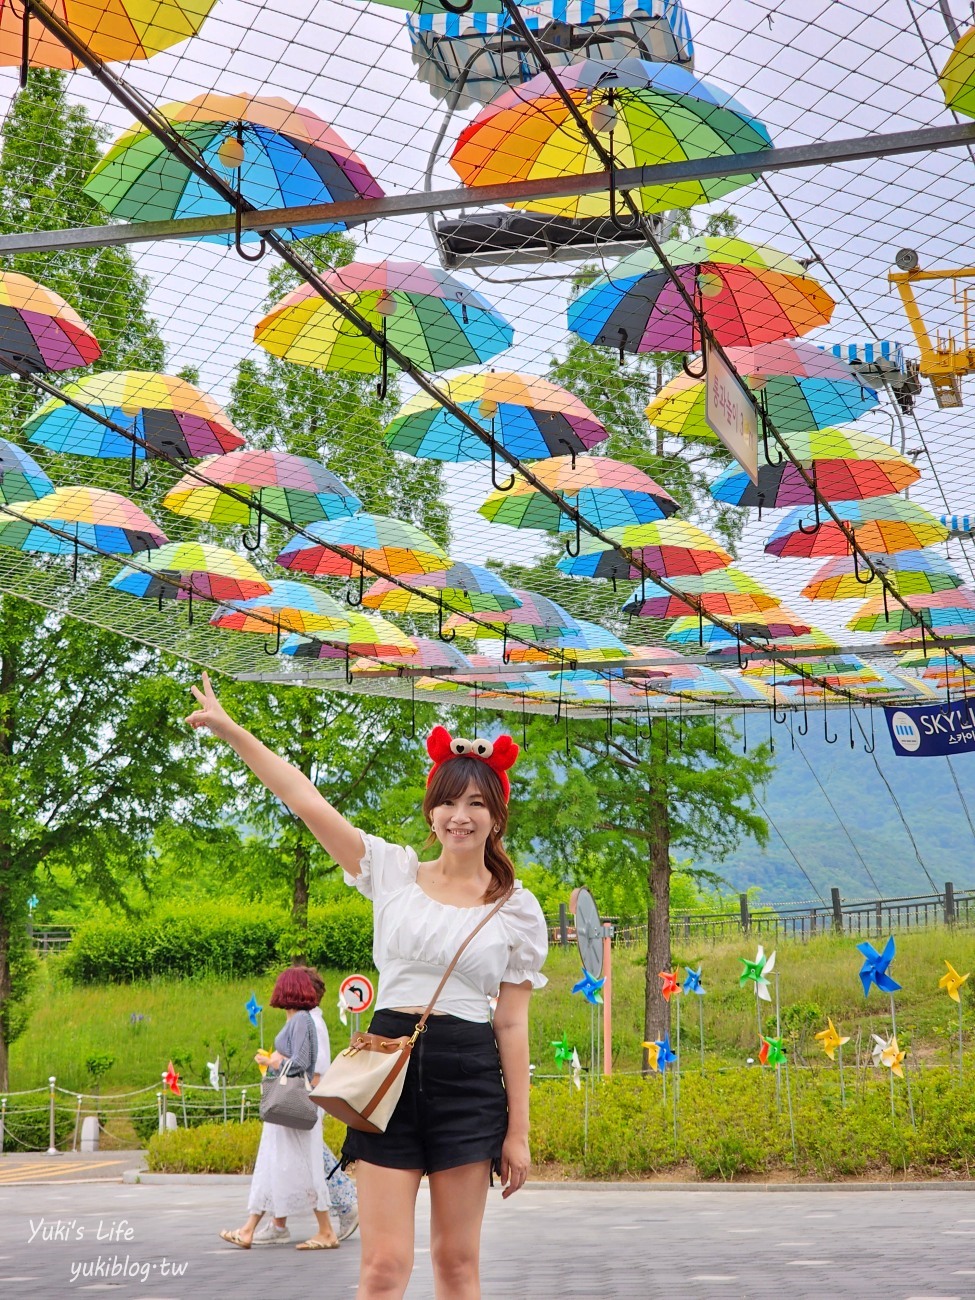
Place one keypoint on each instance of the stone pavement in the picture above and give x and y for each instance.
(546, 1243)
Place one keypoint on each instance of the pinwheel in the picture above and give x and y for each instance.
(253, 1010)
(652, 1050)
(692, 981)
(747, 293)
(295, 487)
(831, 1039)
(275, 154)
(642, 112)
(466, 588)
(728, 593)
(609, 493)
(671, 984)
(563, 1052)
(428, 314)
(875, 966)
(288, 607)
(361, 634)
(536, 618)
(665, 1054)
(885, 524)
(83, 517)
(213, 1073)
(957, 79)
(171, 416)
(771, 1052)
(182, 570)
(845, 465)
(799, 386)
(756, 971)
(528, 415)
(590, 988)
(390, 545)
(952, 982)
(576, 1070)
(171, 1079)
(910, 573)
(115, 30)
(672, 548)
(887, 1053)
(38, 330)
(21, 478)
(937, 609)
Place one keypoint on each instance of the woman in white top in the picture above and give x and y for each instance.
(464, 1108)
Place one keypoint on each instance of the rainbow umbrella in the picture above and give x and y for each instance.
(643, 113)
(468, 588)
(38, 330)
(957, 79)
(182, 570)
(91, 517)
(527, 415)
(391, 545)
(673, 548)
(115, 30)
(935, 657)
(747, 293)
(885, 524)
(287, 607)
(910, 573)
(430, 653)
(300, 489)
(171, 415)
(940, 609)
(273, 153)
(846, 465)
(425, 312)
(21, 478)
(799, 386)
(607, 492)
(963, 630)
(537, 616)
(361, 634)
(588, 642)
(759, 626)
(726, 592)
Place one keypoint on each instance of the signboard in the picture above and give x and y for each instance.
(730, 411)
(930, 730)
(357, 993)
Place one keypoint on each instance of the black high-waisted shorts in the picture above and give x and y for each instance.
(453, 1110)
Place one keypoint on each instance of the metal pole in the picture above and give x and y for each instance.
(700, 1016)
(243, 1104)
(52, 1149)
(3, 1121)
(607, 998)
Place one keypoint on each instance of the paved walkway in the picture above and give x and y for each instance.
(68, 1167)
(546, 1243)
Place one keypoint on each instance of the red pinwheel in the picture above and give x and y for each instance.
(171, 1079)
(671, 984)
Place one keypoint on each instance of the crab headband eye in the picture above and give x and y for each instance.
(500, 754)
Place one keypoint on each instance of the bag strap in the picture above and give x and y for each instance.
(422, 1023)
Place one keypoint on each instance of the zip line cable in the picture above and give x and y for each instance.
(836, 814)
(900, 812)
(768, 817)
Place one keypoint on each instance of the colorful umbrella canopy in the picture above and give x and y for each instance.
(608, 492)
(391, 545)
(93, 518)
(957, 79)
(726, 592)
(173, 416)
(962, 630)
(939, 609)
(910, 573)
(526, 414)
(38, 330)
(183, 569)
(535, 617)
(748, 294)
(431, 652)
(935, 657)
(289, 607)
(300, 489)
(21, 478)
(760, 626)
(885, 524)
(643, 113)
(673, 548)
(430, 315)
(274, 153)
(588, 642)
(849, 466)
(467, 588)
(115, 30)
(362, 634)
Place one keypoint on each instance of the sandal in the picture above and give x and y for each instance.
(313, 1243)
(232, 1235)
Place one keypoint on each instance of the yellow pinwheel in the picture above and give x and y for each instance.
(893, 1058)
(653, 1053)
(831, 1039)
(952, 982)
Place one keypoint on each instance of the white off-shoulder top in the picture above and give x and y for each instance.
(415, 938)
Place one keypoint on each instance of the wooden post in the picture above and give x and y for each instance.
(607, 998)
(837, 910)
(563, 926)
(743, 907)
(949, 903)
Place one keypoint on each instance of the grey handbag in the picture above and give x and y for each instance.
(284, 1097)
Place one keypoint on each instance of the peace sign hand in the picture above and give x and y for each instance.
(211, 713)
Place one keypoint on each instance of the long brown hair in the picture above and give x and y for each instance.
(449, 781)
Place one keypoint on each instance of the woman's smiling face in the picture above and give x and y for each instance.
(464, 823)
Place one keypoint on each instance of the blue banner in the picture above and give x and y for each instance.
(929, 730)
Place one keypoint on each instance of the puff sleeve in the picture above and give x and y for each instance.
(527, 939)
(384, 867)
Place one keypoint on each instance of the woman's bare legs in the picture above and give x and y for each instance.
(246, 1233)
(387, 1209)
(457, 1200)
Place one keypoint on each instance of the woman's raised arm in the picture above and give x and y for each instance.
(334, 832)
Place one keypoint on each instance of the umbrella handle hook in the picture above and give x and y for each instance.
(25, 47)
(574, 548)
(499, 487)
(133, 485)
(624, 339)
(818, 519)
(775, 708)
(382, 387)
(355, 601)
(277, 643)
(440, 627)
(830, 740)
(624, 227)
(873, 737)
(239, 241)
(505, 652)
(696, 374)
(564, 442)
(742, 663)
(871, 572)
(804, 731)
(462, 8)
(189, 607)
(348, 667)
(256, 544)
(763, 413)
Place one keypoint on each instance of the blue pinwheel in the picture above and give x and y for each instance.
(692, 982)
(665, 1054)
(253, 1010)
(590, 988)
(874, 970)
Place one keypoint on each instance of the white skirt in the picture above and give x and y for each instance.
(289, 1174)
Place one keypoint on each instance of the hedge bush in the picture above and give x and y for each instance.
(212, 939)
(219, 1148)
(27, 1127)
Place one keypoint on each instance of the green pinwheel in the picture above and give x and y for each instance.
(772, 1052)
(756, 971)
(563, 1052)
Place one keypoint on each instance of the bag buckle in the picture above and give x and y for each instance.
(353, 1048)
(420, 1029)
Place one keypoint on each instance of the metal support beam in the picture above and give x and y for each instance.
(359, 211)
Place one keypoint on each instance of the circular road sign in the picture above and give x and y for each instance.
(357, 993)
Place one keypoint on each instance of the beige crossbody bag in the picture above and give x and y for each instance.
(363, 1084)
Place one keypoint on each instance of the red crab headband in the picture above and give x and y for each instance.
(498, 754)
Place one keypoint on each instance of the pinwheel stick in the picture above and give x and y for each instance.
(842, 1085)
(778, 1068)
(700, 1016)
(893, 1029)
(260, 1026)
(961, 1042)
(677, 1077)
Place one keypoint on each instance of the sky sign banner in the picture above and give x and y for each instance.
(930, 730)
